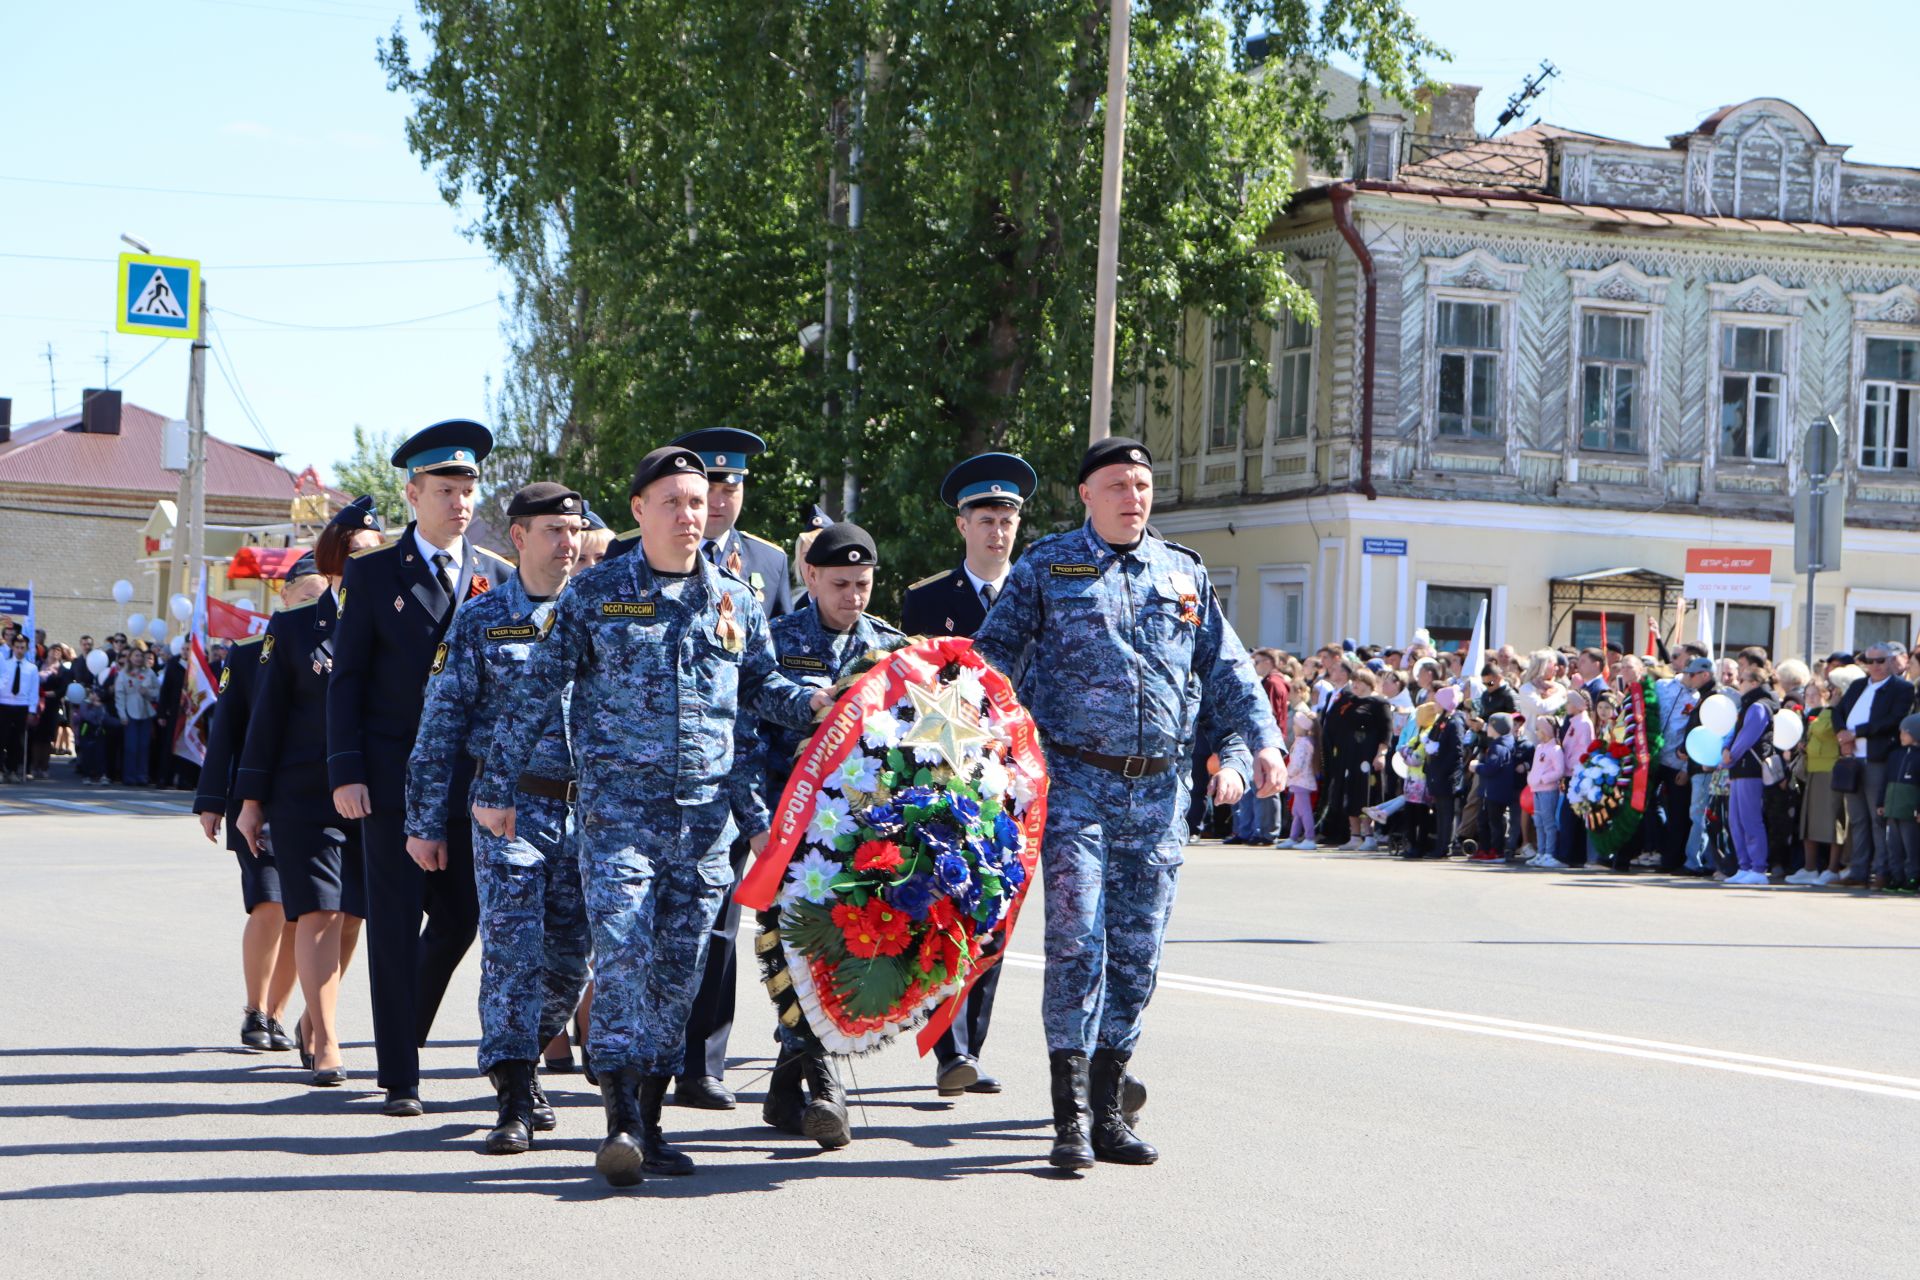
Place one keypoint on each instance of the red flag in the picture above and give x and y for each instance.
(229, 622)
(1603, 633)
(197, 697)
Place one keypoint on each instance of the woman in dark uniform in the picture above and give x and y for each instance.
(283, 784)
(266, 944)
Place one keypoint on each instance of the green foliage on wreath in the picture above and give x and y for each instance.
(868, 988)
(810, 928)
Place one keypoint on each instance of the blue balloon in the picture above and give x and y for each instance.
(1705, 747)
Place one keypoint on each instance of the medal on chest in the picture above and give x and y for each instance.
(1183, 587)
(728, 631)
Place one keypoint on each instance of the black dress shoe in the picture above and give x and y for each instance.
(328, 1077)
(253, 1030)
(704, 1092)
(277, 1037)
(402, 1104)
(953, 1077)
(984, 1084)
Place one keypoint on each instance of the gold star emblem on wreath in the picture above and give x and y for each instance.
(939, 723)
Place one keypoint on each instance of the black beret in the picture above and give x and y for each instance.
(993, 478)
(358, 514)
(305, 567)
(545, 498)
(453, 447)
(1111, 452)
(668, 460)
(843, 545)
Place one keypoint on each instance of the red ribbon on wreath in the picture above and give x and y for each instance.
(1640, 754)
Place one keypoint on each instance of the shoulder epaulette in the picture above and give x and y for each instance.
(496, 555)
(628, 536)
(930, 579)
(367, 551)
(885, 626)
(725, 572)
(298, 607)
(1189, 552)
(253, 639)
(762, 541)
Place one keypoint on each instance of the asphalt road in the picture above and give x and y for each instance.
(1358, 1068)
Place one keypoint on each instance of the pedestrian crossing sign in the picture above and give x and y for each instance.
(159, 297)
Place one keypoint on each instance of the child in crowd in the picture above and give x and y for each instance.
(1303, 773)
(1901, 809)
(1545, 778)
(90, 732)
(1500, 783)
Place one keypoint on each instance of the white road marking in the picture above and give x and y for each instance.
(1873, 1082)
(162, 805)
(75, 805)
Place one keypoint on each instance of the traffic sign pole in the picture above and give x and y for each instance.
(190, 530)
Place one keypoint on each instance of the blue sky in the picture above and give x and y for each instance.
(279, 107)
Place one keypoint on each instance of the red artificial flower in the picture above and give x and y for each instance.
(1619, 751)
(942, 916)
(874, 930)
(877, 855)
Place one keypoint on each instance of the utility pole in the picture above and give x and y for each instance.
(190, 528)
(1105, 300)
(53, 393)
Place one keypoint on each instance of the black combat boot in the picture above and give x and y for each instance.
(1133, 1099)
(1113, 1140)
(1071, 1150)
(660, 1157)
(825, 1119)
(544, 1121)
(513, 1086)
(785, 1101)
(620, 1159)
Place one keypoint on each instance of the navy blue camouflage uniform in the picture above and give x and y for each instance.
(662, 668)
(815, 656)
(1115, 652)
(533, 919)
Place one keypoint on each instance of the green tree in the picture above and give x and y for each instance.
(674, 188)
(367, 470)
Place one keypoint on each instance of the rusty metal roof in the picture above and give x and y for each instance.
(48, 455)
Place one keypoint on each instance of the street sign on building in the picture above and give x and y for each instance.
(1383, 546)
(159, 297)
(1722, 574)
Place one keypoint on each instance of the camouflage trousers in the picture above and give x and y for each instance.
(655, 875)
(1109, 864)
(533, 930)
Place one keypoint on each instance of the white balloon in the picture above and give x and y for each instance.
(1788, 729)
(182, 608)
(1720, 713)
(122, 591)
(1399, 765)
(97, 662)
(136, 623)
(76, 692)
(157, 628)
(176, 645)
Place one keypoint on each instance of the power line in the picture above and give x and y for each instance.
(220, 195)
(221, 355)
(262, 266)
(341, 328)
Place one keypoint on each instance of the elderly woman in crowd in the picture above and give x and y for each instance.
(1821, 830)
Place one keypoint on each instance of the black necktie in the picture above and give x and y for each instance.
(987, 593)
(440, 562)
(16, 677)
(713, 552)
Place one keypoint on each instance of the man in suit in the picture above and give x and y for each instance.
(986, 493)
(396, 603)
(762, 565)
(1868, 727)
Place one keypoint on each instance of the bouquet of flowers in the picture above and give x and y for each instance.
(1609, 789)
(904, 842)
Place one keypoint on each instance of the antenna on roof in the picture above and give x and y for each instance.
(1535, 85)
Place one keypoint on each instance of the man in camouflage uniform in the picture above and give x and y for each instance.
(665, 652)
(533, 920)
(1117, 642)
(818, 644)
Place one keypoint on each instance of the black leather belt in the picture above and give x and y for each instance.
(552, 788)
(1126, 766)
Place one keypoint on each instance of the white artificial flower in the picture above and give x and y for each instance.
(831, 820)
(857, 772)
(812, 877)
(928, 755)
(882, 731)
(1022, 790)
(971, 690)
(993, 778)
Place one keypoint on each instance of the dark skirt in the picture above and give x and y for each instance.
(319, 865)
(259, 877)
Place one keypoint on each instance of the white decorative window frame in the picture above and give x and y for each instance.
(1287, 575)
(1226, 589)
(1620, 289)
(1311, 274)
(1891, 313)
(1209, 457)
(1867, 600)
(1476, 276)
(1757, 302)
(1496, 607)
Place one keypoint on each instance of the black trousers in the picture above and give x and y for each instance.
(1445, 805)
(13, 739)
(968, 1034)
(408, 968)
(710, 1019)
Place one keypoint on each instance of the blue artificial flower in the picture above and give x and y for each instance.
(916, 797)
(939, 837)
(990, 911)
(1014, 871)
(954, 874)
(984, 852)
(914, 895)
(884, 819)
(1006, 832)
(965, 807)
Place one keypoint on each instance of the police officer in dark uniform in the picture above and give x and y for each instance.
(762, 565)
(396, 605)
(266, 933)
(986, 493)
